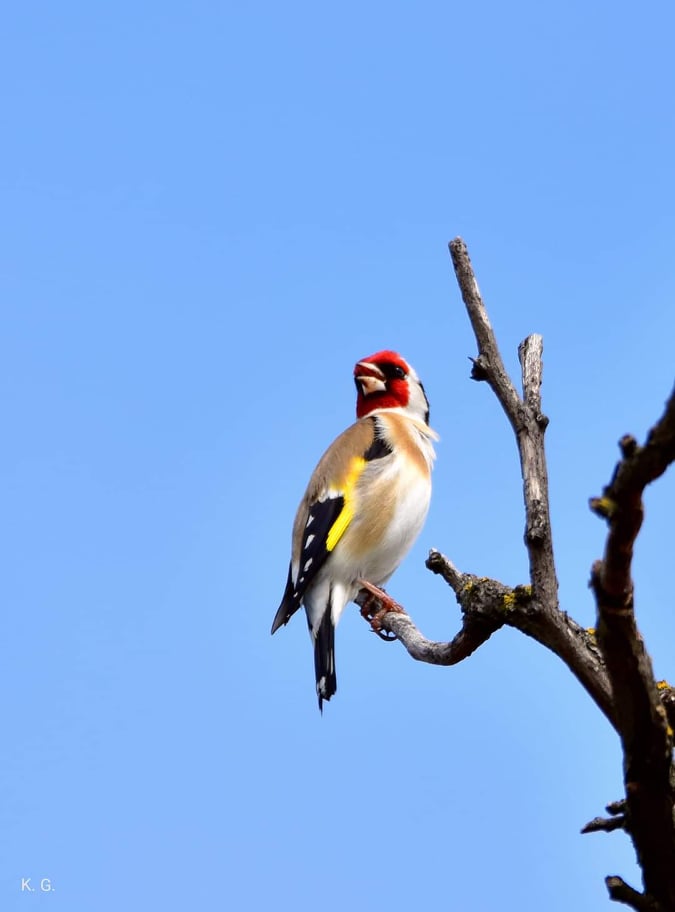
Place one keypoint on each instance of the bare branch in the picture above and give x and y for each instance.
(621, 892)
(479, 621)
(526, 420)
(606, 824)
(614, 668)
(487, 605)
(472, 635)
(616, 807)
(443, 566)
(621, 501)
(538, 538)
(642, 719)
(667, 694)
(530, 352)
(489, 365)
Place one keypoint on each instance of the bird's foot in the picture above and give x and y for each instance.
(376, 606)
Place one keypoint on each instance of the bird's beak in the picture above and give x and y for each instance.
(370, 378)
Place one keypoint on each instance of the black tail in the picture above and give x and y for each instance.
(289, 603)
(324, 659)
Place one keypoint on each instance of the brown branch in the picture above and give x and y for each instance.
(479, 621)
(526, 420)
(618, 820)
(621, 502)
(489, 365)
(543, 619)
(605, 824)
(487, 605)
(667, 694)
(642, 719)
(519, 608)
(538, 536)
(615, 670)
(472, 635)
(621, 892)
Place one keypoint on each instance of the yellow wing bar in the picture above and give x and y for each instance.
(346, 514)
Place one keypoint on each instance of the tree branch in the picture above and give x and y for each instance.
(667, 694)
(606, 824)
(527, 421)
(621, 892)
(488, 365)
(617, 821)
(518, 608)
(640, 706)
(482, 603)
(487, 605)
(614, 669)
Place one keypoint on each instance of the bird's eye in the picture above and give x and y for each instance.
(392, 371)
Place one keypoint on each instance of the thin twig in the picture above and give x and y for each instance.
(605, 824)
(489, 364)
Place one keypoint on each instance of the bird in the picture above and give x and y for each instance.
(364, 506)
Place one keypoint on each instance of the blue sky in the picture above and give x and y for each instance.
(210, 212)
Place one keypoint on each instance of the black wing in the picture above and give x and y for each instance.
(313, 556)
(314, 553)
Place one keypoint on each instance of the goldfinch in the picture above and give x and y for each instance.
(364, 506)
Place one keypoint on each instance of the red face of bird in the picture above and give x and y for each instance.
(385, 380)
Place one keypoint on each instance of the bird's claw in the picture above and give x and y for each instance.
(384, 635)
(377, 596)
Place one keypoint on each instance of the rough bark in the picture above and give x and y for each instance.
(642, 718)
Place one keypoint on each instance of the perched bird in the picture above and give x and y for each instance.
(364, 506)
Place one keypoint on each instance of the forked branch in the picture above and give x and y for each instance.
(486, 604)
(615, 668)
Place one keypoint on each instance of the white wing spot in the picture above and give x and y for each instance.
(310, 520)
(310, 539)
(308, 564)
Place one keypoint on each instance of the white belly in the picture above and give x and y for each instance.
(389, 504)
(407, 522)
(390, 544)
